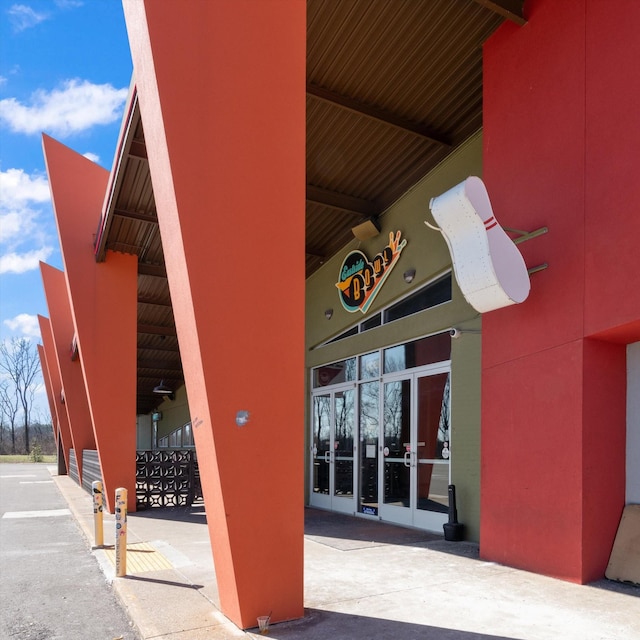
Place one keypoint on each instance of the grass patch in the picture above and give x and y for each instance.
(48, 459)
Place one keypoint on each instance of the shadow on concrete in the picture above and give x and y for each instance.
(194, 513)
(170, 583)
(347, 533)
(626, 588)
(318, 624)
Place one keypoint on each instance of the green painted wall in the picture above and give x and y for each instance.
(427, 253)
(175, 413)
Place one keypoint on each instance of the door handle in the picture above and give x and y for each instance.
(407, 459)
(327, 456)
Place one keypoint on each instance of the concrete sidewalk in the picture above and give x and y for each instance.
(363, 579)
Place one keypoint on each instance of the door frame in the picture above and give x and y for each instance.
(333, 501)
(411, 516)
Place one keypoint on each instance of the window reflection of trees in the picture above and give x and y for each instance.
(393, 413)
(322, 417)
(369, 411)
(344, 418)
(445, 413)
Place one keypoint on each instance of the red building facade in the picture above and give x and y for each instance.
(560, 138)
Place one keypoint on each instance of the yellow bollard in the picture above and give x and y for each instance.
(96, 490)
(121, 532)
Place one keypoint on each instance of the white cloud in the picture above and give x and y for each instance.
(69, 4)
(18, 188)
(77, 106)
(25, 324)
(24, 17)
(18, 192)
(92, 156)
(23, 262)
(3, 80)
(25, 238)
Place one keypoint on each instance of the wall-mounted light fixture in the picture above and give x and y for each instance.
(368, 229)
(409, 275)
(455, 333)
(163, 390)
(328, 314)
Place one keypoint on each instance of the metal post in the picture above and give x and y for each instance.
(121, 532)
(96, 490)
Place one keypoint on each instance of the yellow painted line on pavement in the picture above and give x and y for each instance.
(141, 557)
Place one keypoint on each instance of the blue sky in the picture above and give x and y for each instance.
(65, 69)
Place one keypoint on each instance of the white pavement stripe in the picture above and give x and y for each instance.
(22, 475)
(48, 513)
(36, 482)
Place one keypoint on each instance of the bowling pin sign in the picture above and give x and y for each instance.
(489, 268)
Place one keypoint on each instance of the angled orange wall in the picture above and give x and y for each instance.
(75, 396)
(104, 309)
(221, 87)
(53, 369)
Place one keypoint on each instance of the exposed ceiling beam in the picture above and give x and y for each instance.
(375, 113)
(341, 201)
(138, 149)
(132, 215)
(158, 302)
(164, 365)
(156, 330)
(315, 253)
(510, 9)
(172, 348)
(154, 270)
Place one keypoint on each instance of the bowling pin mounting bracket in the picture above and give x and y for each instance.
(523, 236)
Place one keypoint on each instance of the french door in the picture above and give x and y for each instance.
(381, 447)
(332, 450)
(414, 465)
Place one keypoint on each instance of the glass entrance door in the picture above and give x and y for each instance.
(332, 450)
(414, 466)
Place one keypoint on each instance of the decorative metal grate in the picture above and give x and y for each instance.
(167, 478)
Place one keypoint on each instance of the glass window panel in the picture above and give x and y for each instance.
(429, 296)
(344, 433)
(397, 442)
(418, 353)
(371, 323)
(321, 443)
(370, 366)
(187, 435)
(433, 442)
(344, 371)
(369, 423)
(349, 332)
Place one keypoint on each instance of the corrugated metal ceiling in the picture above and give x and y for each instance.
(393, 86)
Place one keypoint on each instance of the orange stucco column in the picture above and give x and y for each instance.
(104, 309)
(221, 87)
(59, 412)
(75, 396)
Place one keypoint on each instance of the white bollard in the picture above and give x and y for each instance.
(96, 490)
(121, 532)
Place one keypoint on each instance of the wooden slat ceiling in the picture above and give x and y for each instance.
(393, 86)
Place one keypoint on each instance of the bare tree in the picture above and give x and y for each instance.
(20, 365)
(9, 406)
